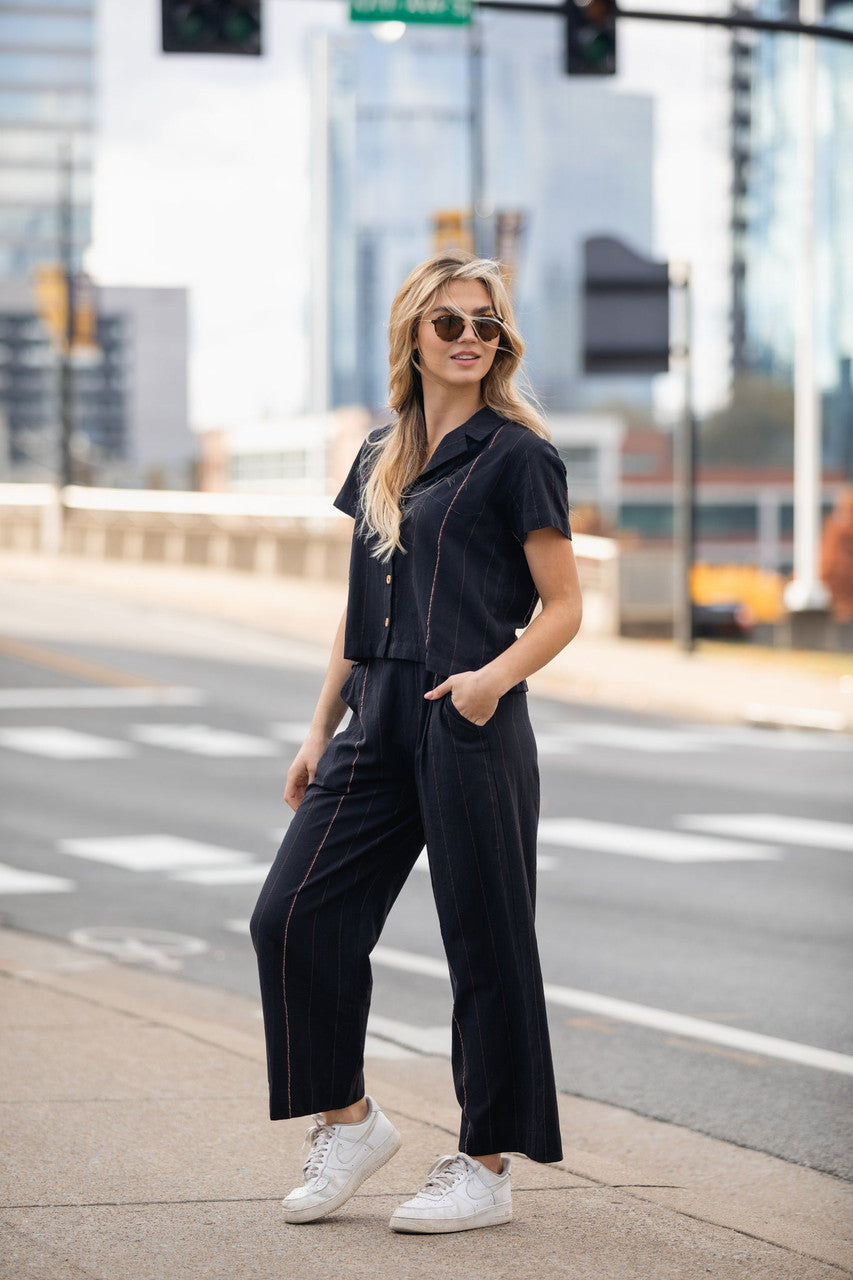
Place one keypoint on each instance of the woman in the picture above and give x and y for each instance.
(461, 514)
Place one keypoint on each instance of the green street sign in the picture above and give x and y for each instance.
(446, 11)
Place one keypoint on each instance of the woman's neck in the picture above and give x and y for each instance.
(446, 408)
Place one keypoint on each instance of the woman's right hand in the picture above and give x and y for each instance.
(302, 771)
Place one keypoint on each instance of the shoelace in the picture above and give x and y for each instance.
(318, 1137)
(443, 1175)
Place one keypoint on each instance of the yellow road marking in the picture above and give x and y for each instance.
(80, 668)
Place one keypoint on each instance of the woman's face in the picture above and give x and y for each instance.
(467, 359)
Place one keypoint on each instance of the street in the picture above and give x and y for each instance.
(687, 872)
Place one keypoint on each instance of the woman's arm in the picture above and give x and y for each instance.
(551, 560)
(329, 712)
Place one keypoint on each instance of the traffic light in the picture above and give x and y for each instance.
(452, 229)
(50, 288)
(212, 26)
(591, 37)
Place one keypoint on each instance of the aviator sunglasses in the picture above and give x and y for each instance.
(452, 326)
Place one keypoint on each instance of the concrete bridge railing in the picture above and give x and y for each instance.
(299, 536)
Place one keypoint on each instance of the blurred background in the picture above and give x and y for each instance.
(234, 228)
(198, 252)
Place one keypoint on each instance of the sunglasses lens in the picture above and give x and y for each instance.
(451, 327)
(448, 328)
(487, 329)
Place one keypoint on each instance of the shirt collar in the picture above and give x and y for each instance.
(479, 427)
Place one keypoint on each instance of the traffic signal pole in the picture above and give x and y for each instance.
(66, 368)
(685, 470)
(806, 597)
(658, 15)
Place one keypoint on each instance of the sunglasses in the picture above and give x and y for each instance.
(452, 326)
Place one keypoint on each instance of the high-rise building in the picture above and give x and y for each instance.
(47, 90)
(128, 390)
(128, 403)
(765, 140)
(416, 133)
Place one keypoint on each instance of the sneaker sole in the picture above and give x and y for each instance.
(380, 1156)
(493, 1216)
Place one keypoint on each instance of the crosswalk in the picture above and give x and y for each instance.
(58, 743)
(691, 838)
(278, 738)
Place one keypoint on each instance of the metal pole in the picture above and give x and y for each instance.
(806, 592)
(319, 396)
(479, 211)
(66, 258)
(685, 478)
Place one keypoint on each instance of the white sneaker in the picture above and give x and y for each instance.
(459, 1193)
(341, 1157)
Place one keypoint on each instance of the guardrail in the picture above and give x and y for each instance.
(298, 535)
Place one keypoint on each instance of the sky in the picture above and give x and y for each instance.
(201, 181)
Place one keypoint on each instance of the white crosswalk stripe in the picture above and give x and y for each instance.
(573, 736)
(623, 737)
(203, 740)
(816, 832)
(544, 862)
(59, 743)
(254, 873)
(644, 842)
(294, 732)
(16, 880)
(153, 852)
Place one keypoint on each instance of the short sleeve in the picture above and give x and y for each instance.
(540, 492)
(349, 498)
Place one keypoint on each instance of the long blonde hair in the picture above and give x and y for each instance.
(399, 454)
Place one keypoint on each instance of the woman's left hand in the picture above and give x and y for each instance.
(471, 695)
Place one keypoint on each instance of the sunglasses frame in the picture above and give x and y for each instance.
(476, 321)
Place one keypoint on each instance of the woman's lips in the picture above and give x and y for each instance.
(464, 358)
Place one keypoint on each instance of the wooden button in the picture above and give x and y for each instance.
(387, 622)
(387, 577)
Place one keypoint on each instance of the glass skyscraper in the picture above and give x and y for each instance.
(769, 241)
(430, 125)
(47, 88)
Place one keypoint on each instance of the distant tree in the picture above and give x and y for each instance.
(836, 555)
(756, 426)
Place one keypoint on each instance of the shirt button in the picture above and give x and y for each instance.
(387, 622)
(387, 577)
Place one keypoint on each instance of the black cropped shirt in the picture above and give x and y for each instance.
(461, 588)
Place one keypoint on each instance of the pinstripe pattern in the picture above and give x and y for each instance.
(403, 769)
(453, 503)
(460, 587)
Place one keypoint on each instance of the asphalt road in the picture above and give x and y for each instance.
(686, 872)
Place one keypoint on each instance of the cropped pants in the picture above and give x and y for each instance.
(404, 771)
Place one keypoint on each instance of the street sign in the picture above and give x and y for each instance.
(450, 12)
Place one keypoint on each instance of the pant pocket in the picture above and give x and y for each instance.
(455, 717)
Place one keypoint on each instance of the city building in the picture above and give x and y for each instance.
(744, 515)
(445, 121)
(47, 116)
(129, 393)
(765, 213)
(305, 456)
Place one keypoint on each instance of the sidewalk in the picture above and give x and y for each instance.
(717, 682)
(137, 1147)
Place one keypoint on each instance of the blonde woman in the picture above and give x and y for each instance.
(461, 526)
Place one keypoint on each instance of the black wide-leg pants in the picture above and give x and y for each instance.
(405, 771)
